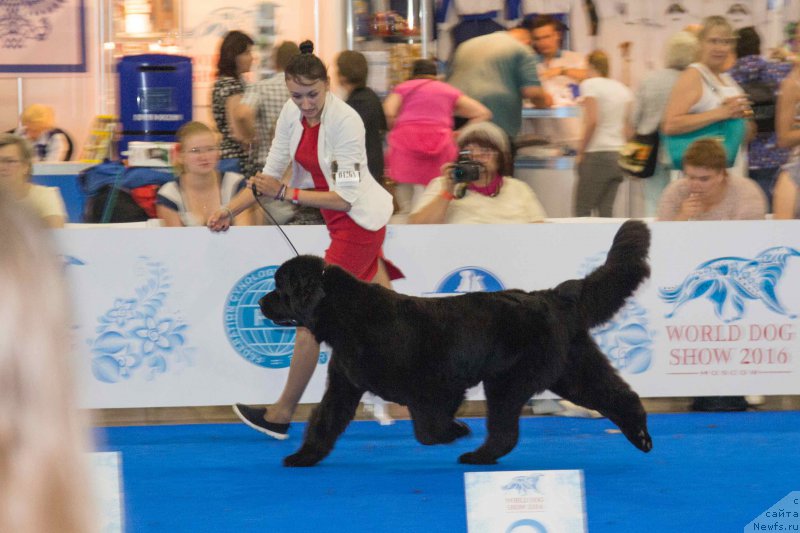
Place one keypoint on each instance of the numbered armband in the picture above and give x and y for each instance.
(346, 177)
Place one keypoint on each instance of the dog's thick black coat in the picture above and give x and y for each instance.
(426, 352)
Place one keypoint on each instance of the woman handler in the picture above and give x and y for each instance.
(323, 138)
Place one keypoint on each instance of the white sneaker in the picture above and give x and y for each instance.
(378, 408)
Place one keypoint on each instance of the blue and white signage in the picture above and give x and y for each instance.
(536, 501)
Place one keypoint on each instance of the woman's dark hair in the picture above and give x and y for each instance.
(234, 43)
(423, 67)
(748, 43)
(540, 21)
(284, 53)
(353, 67)
(306, 66)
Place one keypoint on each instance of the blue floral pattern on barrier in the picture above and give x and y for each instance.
(137, 335)
(626, 339)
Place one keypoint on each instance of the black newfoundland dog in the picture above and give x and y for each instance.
(426, 352)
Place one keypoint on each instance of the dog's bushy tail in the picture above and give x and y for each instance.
(605, 290)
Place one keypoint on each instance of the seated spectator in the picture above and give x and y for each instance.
(706, 191)
(420, 114)
(16, 169)
(785, 197)
(494, 198)
(199, 190)
(39, 128)
(44, 472)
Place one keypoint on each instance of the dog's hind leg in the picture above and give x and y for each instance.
(434, 423)
(328, 420)
(589, 380)
(505, 397)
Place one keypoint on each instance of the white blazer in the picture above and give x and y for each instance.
(341, 139)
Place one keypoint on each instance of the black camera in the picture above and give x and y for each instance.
(466, 169)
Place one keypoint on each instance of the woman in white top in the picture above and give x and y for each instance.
(607, 106)
(199, 190)
(704, 93)
(16, 169)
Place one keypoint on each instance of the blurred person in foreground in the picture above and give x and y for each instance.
(45, 483)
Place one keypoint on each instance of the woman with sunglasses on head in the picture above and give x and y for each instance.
(323, 139)
(492, 198)
(199, 190)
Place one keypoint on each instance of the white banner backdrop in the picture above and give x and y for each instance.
(169, 317)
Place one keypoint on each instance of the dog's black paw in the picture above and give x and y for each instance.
(476, 458)
(643, 441)
(301, 459)
(640, 438)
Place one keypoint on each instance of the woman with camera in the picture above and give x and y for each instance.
(476, 189)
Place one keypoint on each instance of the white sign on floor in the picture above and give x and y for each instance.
(107, 474)
(533, 501)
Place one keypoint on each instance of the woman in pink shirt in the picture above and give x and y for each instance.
(420, 114)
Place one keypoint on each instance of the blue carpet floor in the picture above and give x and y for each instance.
(707, 472)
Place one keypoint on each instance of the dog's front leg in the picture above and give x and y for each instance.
(328, 421)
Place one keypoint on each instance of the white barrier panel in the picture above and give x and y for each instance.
(169, 317)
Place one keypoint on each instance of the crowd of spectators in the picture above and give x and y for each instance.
(709, 72)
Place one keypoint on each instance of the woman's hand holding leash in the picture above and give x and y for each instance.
(263, 185)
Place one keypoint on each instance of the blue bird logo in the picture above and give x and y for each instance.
(524, 484)
(728, 281)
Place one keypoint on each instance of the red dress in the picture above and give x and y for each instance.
(353, 248)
